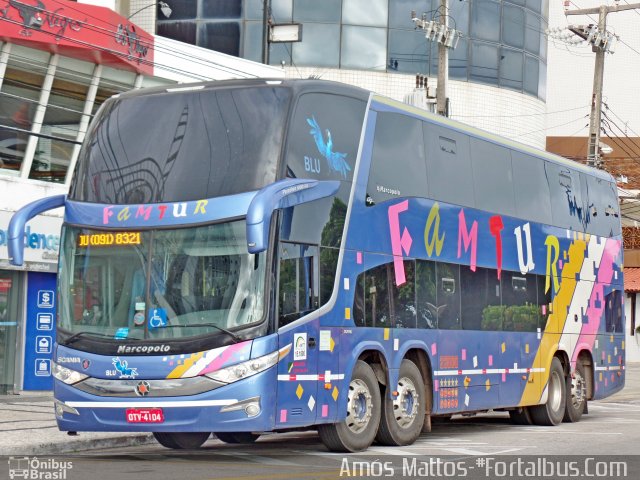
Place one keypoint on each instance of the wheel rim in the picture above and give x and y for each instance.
(405, 405)
(555, 391)
(359, 406)
(578, 390)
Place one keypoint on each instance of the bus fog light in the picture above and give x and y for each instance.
(61, 408)
(252, 410)
(250, 406)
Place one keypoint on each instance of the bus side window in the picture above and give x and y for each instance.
(392, 175)
(492, 177)
(613, 311)
(481, 309)
(426, 294)
(448, 295)
(531, 188)
(520, 301)
(298, 281)
(448, 163)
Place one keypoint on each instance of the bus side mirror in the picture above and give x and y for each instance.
(281, 194)
(18, 221)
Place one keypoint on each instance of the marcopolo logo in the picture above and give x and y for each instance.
(143, 348)
(41, 469)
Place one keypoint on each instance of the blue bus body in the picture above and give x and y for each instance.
(479, 300)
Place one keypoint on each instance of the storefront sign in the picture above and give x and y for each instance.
(39, 331)
(41, 241)
(88, 32)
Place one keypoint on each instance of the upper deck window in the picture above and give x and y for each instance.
(183, 145)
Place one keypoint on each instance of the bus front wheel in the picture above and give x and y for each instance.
(403, 416)
(552, 412)
(181, 440)
(359, 428)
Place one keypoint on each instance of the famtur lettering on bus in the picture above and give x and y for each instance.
(158, 212)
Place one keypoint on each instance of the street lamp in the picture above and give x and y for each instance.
(164, 8)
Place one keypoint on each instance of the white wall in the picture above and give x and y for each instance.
(182, 62)
(570, 72)
(504, 112)
(631, 344)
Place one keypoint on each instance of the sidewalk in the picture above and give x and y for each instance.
(28, 425)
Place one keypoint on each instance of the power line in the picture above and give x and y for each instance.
(524, 114)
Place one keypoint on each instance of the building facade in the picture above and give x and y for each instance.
(497, 71)
(59, 61)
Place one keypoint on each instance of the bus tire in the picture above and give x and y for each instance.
(521, 416)
(237, 437)
(358, 430)
(402, 417)
(181, 440)
(576, 394)
(552, 412)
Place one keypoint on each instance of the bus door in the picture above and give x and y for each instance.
(298, 288)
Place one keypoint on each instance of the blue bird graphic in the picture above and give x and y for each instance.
(336, 160)
(123, 368)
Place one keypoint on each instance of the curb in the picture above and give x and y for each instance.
(76, 446)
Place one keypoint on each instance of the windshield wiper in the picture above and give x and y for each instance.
(236, 338)
(76, 336)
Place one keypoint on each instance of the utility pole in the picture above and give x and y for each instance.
(447, 38)
(443, 63)
(601, 42)
(266, 16)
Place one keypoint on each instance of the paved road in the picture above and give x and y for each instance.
(611, 428)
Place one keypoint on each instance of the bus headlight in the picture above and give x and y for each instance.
(249, 368)
(67, 375)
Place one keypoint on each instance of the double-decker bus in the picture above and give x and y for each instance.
(252, 256)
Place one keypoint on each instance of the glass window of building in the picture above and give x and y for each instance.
(358, 40)
(19, 98)
(181, 31)
(513, 26)
(371, 13)
(400, 12)
(222, 8)
(328, 11)
(409, 51)
(532, 33)
(531, 74)
(484, 63)
(485, 17)
(320, 46)
(459, 60)
(61, 120)
(10, 300)
(511, 68)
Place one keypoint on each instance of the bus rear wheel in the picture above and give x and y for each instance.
(576, 394)
(402, 417)
(521, 416)
(181, 440)
(237, 437)
(552, 412)
(359, 428)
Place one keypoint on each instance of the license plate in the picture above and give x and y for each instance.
(144, 415)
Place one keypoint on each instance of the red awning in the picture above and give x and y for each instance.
(87, 32)
(632, 279)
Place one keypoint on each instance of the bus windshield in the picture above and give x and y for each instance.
(159, 284)
(144, 148)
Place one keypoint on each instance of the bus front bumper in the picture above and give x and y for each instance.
(246, 405)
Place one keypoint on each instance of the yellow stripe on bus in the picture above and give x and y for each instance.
(186, 365)
(555, 324)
